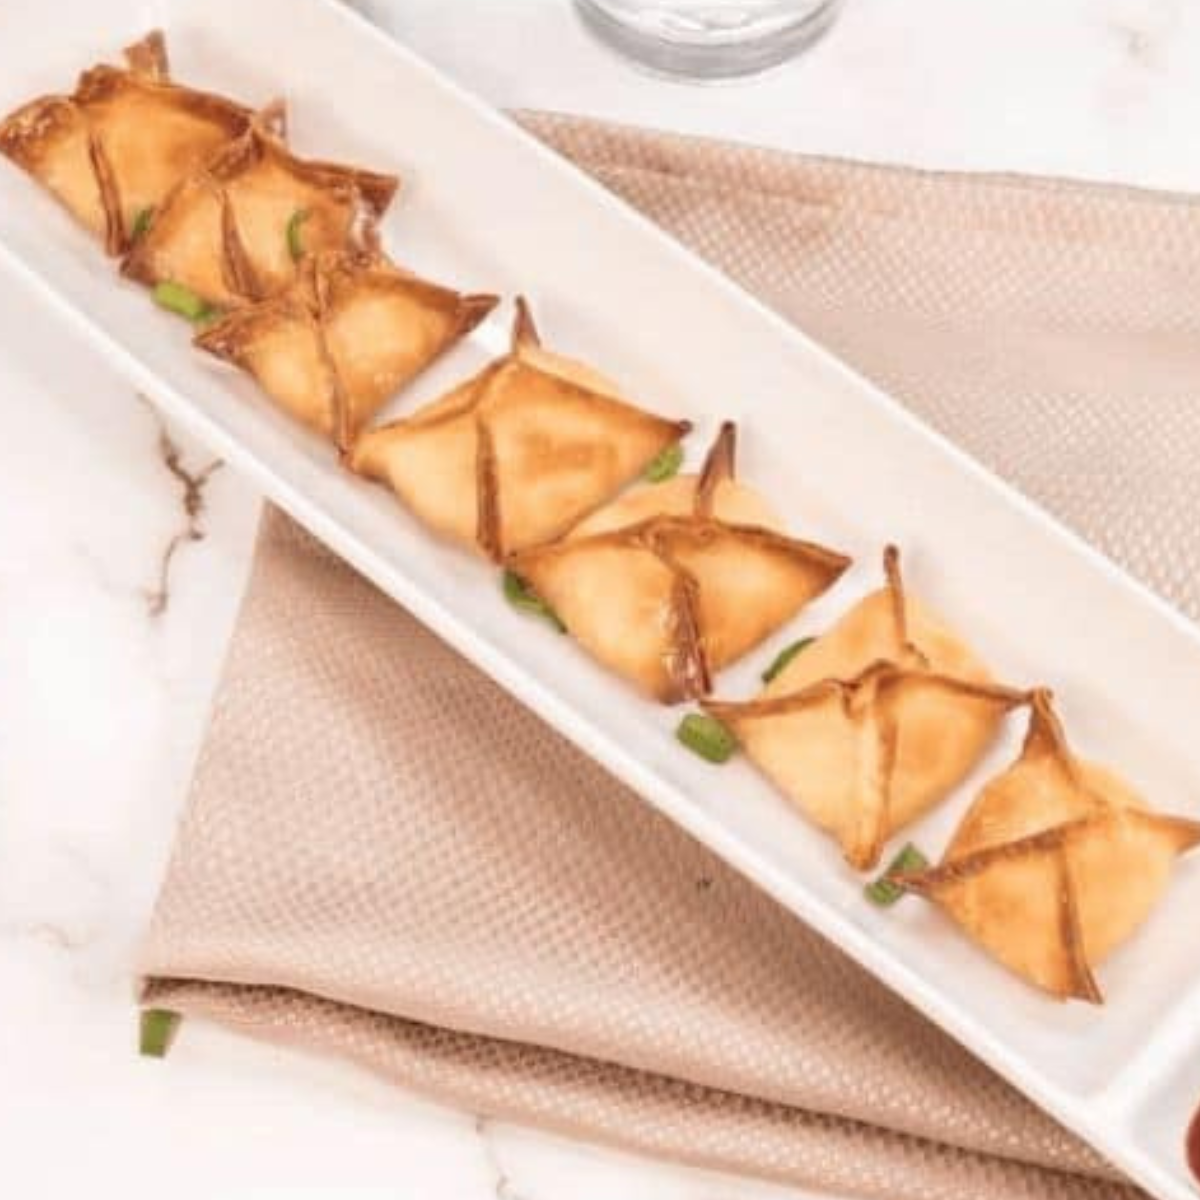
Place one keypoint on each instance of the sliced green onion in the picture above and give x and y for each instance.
(141, 223)
(520, 595)
(295, 244)
(176, 298)
(665, 465)
(707, 737)
(885, 891)
(158, 1027)
(784, 657)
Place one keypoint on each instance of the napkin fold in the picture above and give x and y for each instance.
(386, 857)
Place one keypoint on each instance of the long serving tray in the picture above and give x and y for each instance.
(483, 206)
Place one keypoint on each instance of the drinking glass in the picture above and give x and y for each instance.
(708, 39)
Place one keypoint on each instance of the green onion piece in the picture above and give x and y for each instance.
(157, 1031)
(519, 594)
(141, 223)
(665, 465)
(885, 891)
(295, 244)
(707, 737)
(182, 300)
(784, 657)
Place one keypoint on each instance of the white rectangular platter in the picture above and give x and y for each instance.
(486, 208)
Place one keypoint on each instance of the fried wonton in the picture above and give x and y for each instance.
(875, 722)
(1057, 863)
(675, 580)
(518, 454)
(349, 333)
(238, 229)
(114, 148)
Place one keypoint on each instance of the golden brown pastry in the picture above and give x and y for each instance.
(674, 580)
(518, 454)
(874, 723)
(1056, 864)
(114, 148)
(347, 335)
(237, 229)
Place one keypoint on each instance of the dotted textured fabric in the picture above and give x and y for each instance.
(387, 858)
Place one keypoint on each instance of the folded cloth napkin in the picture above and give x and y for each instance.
(387, 858)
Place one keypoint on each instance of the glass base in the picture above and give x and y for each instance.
(709, 53)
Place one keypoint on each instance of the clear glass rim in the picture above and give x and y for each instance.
(708, 56)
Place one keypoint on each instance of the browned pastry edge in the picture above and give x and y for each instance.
(908, 652)
(524, 330)
(720, 464)
(1083, 983)
(147, 56)
(375, 188)
(487, 491)
(314, 284)
(103, 81)
(882, 674)
(25, 130)
(115, 235)
(686, 661)
(226, 336)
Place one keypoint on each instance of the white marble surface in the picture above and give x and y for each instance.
(105, 677)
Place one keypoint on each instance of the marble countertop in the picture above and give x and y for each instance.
(124, 550)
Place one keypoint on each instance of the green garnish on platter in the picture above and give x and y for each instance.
(784, 657)
(182, 301)
(141, 223)
(521, 596)
(665, 466)
(707, 737)
(885, 891)
(156, 1031)
(294, 242)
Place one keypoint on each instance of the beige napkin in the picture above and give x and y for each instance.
(385, 857)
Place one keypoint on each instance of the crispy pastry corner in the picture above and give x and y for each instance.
(347, 335)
